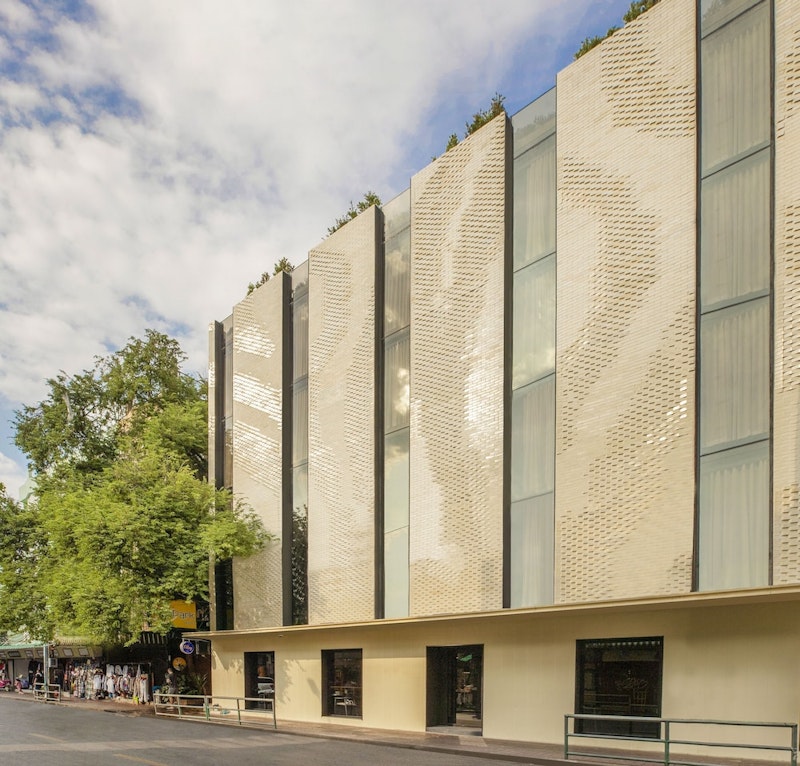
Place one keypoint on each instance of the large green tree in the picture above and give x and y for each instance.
(122, 519)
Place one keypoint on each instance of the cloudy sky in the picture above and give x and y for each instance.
(158, 155)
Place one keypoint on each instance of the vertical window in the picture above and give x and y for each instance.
(341, 682)
(393, 535)
(735, 327)
(619, 677)
(298, 537)
(532, 423)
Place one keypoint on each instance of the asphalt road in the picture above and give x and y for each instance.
(34, 733)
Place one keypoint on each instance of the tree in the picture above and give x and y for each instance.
(479, 119)
(370, 199)
(114, 533)
(637, 8)
(282, 265)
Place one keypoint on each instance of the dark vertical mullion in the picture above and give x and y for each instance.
(287, 440)
(379, 377)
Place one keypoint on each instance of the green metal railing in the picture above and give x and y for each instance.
(216, 709)
(666, 739)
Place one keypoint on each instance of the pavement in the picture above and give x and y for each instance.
(449, 740)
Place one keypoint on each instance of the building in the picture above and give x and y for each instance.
(529, 433)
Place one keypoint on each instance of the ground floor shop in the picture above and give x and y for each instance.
(514, 675)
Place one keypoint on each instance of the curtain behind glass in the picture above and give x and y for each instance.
(535, 203)
(300, 336)
(395, 480)
(734, 518)
(299, 423)
(395, 568)
(734, 366)
(397, 381)
(397, 304)
(534, 322)
(532, 543)
(736, 88)
(533, 439)
(735, 231)
(714, 13)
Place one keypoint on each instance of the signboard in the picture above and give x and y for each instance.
(184, 614)
(187, 647)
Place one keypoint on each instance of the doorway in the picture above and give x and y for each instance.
(455, 687)
(259, 678)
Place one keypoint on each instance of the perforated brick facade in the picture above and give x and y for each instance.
(457, 256)
(341, 430)
(625, 366)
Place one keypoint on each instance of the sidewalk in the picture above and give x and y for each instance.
(450, 741)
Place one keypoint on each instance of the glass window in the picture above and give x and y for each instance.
(395, 480)
(397, 371)
(533, 440)
(300, 334)
(223, 589)
(734, 375)
(714, 13)
(397, 305)
(532, 542)
(622, 677)
(341, 682)
(395, 568)
(736, 88)
(299, 550)
(534, 322)
(300, 421)
(535, 203)
(734, 518)
(534, 122)
(735, 231)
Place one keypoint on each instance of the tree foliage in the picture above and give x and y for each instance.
(282, 265)
(369, 199)
(122, 520)
(637, 8)
(479, 119)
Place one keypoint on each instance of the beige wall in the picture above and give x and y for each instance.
(734, 662)
(456, 437)
(786, 416)
(625, 369)
(341, 425)
(258, 347)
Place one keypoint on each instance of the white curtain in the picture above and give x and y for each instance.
(532, 543)
(734, 518)
(533, 439)
(736, 88)
(735, 238)
(535, 203)
(534, 344)
(734, 375)
(395, 572)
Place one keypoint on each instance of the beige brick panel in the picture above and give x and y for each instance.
(341, 425)
(786, 416)
(457, 251)
(258, 334)
(625, 369)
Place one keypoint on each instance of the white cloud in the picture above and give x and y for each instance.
(156, 157)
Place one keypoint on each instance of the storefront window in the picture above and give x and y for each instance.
(341, 682)
(619, 677)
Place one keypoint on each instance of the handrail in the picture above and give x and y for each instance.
(667, 741)
(47, 692)
(184, 706)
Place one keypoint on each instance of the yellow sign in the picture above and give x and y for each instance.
(184, 614)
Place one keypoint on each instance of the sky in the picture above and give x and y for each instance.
(156, 156)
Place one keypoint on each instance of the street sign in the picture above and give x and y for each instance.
(187, 647)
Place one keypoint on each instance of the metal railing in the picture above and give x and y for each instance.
(47, 692)
(666, 739)
(216, 709)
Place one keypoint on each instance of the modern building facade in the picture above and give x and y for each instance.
(529, 434)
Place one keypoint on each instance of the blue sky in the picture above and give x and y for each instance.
(155, 157)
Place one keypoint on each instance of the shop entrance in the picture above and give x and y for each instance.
(259, 677)
(455, 686)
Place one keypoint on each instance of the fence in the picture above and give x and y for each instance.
(216, 709)
(47, 692)
(666, 739)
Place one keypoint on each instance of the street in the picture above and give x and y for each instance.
(34, 733)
